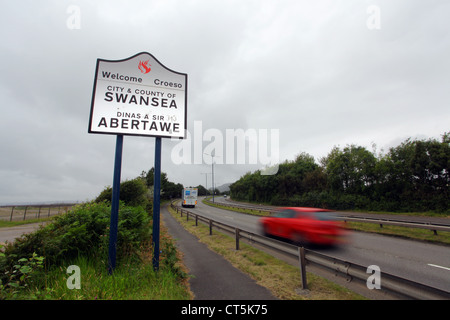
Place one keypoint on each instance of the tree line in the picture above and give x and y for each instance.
(413, 176)
(139, 191)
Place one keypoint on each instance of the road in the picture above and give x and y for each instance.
(418, 261)
(11, 233)
(439, 221)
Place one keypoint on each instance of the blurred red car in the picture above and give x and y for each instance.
(304, 226)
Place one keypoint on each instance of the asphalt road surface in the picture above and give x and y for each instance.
(9, 234)
(418, 261)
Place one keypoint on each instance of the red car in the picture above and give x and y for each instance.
(304, 226)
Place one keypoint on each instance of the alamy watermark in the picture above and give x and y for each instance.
(74, 280)
(232, 146)
(373, 281)
(373, 21)
(73, 21)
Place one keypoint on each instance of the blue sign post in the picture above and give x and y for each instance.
(137, 96)
(115, 205)
(156, 203)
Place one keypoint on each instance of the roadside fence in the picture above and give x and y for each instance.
(33, 211)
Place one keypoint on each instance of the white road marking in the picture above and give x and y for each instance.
(436, 266)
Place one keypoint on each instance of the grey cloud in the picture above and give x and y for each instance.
(313, 70)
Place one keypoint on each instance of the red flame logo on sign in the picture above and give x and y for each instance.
(144, 66)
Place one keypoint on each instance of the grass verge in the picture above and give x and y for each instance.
(282, 279)
(131, 280)
(9, 224)
(408, 233)
(241, 210)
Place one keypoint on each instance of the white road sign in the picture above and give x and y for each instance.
(138, 96)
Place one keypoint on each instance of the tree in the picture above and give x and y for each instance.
(287, 182)
(170, 190)
(351, 170)
(315, 180)
(202, 190)
(410, 177)
(419, 173)
(150, 177)
(132, 192)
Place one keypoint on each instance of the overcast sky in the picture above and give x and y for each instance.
(321, 73)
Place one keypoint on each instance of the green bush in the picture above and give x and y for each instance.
(132, 193)
(82, 231)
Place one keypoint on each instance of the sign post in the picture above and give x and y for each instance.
(156, 203)
(137, 96)
(115, 205)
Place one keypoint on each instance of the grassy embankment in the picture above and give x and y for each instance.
(80, 238)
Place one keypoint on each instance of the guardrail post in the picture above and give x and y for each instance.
(302, 260)
(196, 220)
(237, 238)
(187, 215)
(210, 227)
